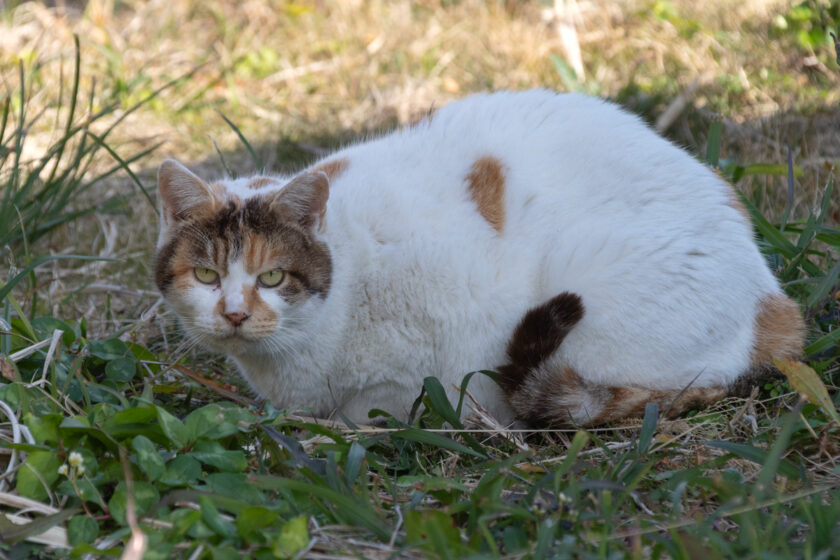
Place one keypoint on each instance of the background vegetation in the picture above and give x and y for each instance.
(119, 439)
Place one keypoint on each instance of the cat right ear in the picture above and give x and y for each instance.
(182, 194)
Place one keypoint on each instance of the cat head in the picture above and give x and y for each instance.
(242, 261)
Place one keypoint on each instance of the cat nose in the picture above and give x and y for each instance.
(236, 319)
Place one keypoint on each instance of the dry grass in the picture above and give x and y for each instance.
(304, 70)
(299, 77)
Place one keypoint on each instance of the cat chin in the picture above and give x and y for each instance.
(232, 343)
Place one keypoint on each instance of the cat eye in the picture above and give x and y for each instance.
(206, 275)
(271, 278)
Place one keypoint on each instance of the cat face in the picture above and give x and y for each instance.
(242, 268)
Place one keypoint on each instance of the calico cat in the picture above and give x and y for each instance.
(553, 238)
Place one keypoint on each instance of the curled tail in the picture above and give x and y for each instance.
(542, 393)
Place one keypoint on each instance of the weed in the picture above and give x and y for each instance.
(113, 437)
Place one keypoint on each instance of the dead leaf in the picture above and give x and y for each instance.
(6, 369)
(807, 383)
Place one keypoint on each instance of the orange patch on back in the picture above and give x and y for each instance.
(779, 329)
(486, 185)
(333, 169)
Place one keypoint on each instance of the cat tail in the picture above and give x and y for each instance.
(544, 393)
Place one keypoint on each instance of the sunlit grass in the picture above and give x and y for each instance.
(92, 364)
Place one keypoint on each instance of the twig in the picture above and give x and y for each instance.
(122, 290)
(56, 339)
(676, 107)
(298, 71)
(137, 544)
(29, 350)
(15, 501)
(54, 536)
(18, 431)
(398, 509)
(564, 17)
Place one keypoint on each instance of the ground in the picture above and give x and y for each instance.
(297, 79)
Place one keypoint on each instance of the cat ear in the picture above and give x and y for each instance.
(304, 199)
(181, 192)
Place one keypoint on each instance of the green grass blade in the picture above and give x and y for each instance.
(440, 402)
(353, 464)
(20, 131)
(648, 427)
(4, 121)
(128, 170)
(825, 205)
(790, 189)
(756, 455)
(359, 512)
(221, 157)
(773, 461)
(146, 99)
(437, 440)
(713, 144)
(13, 533)
(777, 169)
(110, 171)
(464, 382)
(567, 73)
(74, 95)
(254, 156)
(773, 236)
(823, 343)
(826, 286)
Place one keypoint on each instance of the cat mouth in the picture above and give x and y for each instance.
(238, 336)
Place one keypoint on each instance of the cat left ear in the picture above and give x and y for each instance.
(304, 199)
(181, 192)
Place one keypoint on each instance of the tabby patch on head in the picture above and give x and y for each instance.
(234, 268)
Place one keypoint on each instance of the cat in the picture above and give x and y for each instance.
(551, 237)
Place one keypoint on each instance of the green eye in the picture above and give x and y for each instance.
(271, 278)
(206, 275)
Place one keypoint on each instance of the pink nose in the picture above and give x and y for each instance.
(236, 319)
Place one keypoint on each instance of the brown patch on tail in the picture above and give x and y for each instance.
(779, 330)
(333, 169)
(486, 184)
(543, 394)
(537, 336)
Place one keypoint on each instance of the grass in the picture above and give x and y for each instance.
(118, 436)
